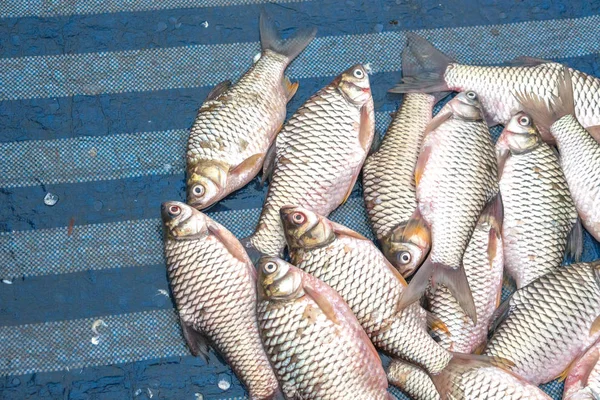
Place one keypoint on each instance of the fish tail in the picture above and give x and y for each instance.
(476, 360)
(423, 68)
(253, 253)
(417, 285)
(290, 47)
(547, 112)
(575, 241)
(455, 279)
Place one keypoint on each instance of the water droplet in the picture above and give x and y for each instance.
(98, 205)
(224, 382)
(7, 281)
(257, 57)
(150, 394)
(163, 292)
(161, 26)
(137, 392)
(378, 28)
(93, 152)
(95, 340)
(50, 199)
(205, 24)
(198, 396)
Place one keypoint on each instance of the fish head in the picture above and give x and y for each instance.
(466, 106)
(304, 228)
(520, 134)
(181, 221)
(278, 279)
(354, 84)
(406, 250)
(206, 184)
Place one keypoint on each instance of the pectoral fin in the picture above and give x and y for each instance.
(595, 132)
(246, 166)
(196, 341)
(290, 88)
(218, 90)
(323, 303)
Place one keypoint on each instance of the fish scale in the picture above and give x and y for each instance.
(215, 295)
(549, 321)
(388, 174)
(538, 213)
(584, 377)
(318, 156)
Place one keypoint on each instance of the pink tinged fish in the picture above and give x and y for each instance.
(456, 177)
(318, 156)
(315, 344)
(497, 86)
(412, 380)
(583, 381)
(579, 150)
(237, 123)
(214, 285)
(547, 324)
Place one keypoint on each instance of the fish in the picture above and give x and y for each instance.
(539, 214)
(579, 148)
(484, 264)
(547, 324)
(214, 287)
(389, 188)
(497, 85)
(317, 347)
(353, 266)
(456, 177)
(412, 380)
(237, 123)
(318, 156)
(583, 382)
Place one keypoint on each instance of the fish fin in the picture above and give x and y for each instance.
(247, 165)
(423, 67)
(218, 90)
(230, 242)
(545, 113)
(290, 47)
(575, 241)
(436, 324)
(375, 144)
(444, 115)
(480, 348)
(525, 61)
(456, 281)
(421, 163)
(499, 297)
(595, 326)
(253, 253)
(563, 375)
(595, 132)
(417, 285)
(323, 303)
(351, 186)
(269, 164)
(366, 128)
(196, 341)
(476, 360)
(589, 367)
(417, 227)
(290, 88)
(341, 230)
(493, 213)
(501, 313)
(502, 154)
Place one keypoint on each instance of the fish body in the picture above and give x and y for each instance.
(237, 123)
(317, 347)
(539, 213)
(214, 286)
(412, 380)
(497, 85)
(389, 182)
(583, 382)
(360, 273)
(545, 325)
(483, 262)
(319, 154)
(456, 178)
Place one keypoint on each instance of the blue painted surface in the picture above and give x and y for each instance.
(131, 291)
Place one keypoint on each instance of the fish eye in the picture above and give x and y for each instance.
(198, 190)
(358, 73)
(270, 267)
(471, 95)
(524, 120)
(298, 218)
(174, 210)
(404, 257)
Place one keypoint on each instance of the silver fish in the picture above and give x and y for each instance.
(539, 213)
(316, 345)
(412, 380)
(237, 123)
(319, 154)
(497, 86)
(389, 185)
(583, 382)
(456, 176)
(545, 325)
(214, 285)
(579, 150)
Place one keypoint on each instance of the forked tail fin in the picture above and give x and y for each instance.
(290, 47)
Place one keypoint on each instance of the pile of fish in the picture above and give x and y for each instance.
(449, 209)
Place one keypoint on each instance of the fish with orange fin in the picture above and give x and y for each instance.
(456, 177)
(237, 123)
(315, 344)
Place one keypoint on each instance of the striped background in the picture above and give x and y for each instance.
(95, 101)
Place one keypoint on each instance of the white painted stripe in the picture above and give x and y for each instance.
(45, 8)
(122, 244)
(89, 158)
(206, 65)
